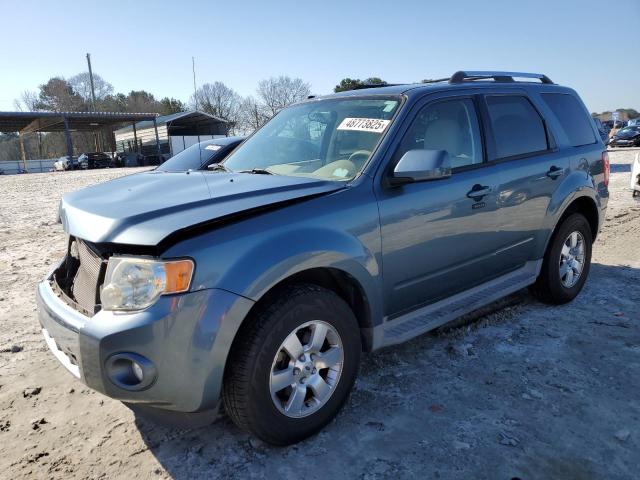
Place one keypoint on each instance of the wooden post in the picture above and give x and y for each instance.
(23, 156)
(135, 137)
(155, 128)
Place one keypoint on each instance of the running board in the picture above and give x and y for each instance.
(436, 314)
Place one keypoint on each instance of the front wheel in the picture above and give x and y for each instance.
(293, 365)
(566, 263)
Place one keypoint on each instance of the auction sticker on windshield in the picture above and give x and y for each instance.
(364, 124)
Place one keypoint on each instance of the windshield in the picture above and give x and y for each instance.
(328, 139)
(191, 158)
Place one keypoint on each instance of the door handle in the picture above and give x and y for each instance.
(478, 191)
(554, 172)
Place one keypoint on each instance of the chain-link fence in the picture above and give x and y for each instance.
(33, 166)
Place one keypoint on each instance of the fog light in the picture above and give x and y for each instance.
(130, 371)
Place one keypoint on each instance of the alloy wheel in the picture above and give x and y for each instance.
(572, 259)
(306, 369)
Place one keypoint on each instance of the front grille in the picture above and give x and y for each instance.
(85, 282)
(77, 280)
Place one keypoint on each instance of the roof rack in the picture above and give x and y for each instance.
(437, 80)
(469, 76)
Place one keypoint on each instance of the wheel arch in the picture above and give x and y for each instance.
(584, 205)
(339, 281)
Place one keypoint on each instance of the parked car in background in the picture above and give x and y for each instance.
(95, 160)
(635, 177)
(345, 224)
(611, 125)
(626, 137)
(201, 155)
(66, 163)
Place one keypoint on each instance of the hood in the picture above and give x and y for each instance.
(144, 208)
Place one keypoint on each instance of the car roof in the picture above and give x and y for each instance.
(459, 80)
(222, 141)
(418, 89)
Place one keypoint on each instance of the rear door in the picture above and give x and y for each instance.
(438, 236)
(534, 156)
(531, 167)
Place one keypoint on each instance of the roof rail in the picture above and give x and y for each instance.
(437, 80)
(468, 75)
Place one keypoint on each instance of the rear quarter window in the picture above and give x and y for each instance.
(517, 126)
(572, 117)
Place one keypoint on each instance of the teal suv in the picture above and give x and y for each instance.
(347, 223)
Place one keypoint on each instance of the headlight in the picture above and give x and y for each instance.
(136, 283)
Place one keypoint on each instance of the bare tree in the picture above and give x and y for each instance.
(81, 84)
(218, 100)
(278, 93)
(252, 115)
(28, 101)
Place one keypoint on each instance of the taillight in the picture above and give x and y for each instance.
(606, 168)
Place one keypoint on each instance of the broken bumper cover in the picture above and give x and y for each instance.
(186, 338)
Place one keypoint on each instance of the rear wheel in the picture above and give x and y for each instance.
(566, 263)
(293, 365)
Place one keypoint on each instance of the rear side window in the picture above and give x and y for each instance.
(573, 119)
(517, 127)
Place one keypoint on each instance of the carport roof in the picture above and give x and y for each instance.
(26, 122)
(187, 119)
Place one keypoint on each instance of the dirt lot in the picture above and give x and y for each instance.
(528, 391)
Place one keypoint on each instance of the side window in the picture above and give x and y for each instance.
(450, 125)
(516, 125)
(574, 121)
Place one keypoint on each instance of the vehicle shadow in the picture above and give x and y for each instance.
(396, 425)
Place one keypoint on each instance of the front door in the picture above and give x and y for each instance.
(438, 237)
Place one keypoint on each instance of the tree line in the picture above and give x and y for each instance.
(244, 113)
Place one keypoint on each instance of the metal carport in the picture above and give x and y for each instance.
(33, 122)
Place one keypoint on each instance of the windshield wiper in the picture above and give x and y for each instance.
(258, 171)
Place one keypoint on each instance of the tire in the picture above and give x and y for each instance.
(258, 353)
(551, 287)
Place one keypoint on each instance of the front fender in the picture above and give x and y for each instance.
(254, 273)
(249, 257)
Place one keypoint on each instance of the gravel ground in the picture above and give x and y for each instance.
(524, 391)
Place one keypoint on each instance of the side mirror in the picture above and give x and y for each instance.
(420, 166)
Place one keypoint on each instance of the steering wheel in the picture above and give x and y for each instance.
(359, 157)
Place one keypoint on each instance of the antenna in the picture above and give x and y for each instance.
(195, 91)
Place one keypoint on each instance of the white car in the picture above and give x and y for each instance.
(635, 177)
(63, 163)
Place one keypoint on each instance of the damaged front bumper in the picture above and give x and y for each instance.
(180, 345)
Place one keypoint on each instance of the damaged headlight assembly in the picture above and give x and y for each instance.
(133, 283)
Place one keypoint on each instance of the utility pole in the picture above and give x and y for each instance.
(97, 138)
(93, 92)
(195, 96)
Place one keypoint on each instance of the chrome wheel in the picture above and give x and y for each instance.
(306, 370)
(572, 259)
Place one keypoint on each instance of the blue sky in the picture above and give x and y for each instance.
(149, 45)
